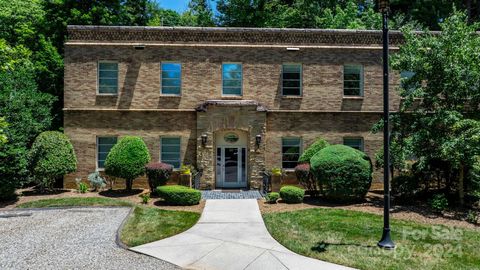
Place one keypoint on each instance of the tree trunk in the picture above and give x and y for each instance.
(461, 191)
(129, 183)
(468, 4)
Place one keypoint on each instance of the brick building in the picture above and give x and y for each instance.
(231, 101)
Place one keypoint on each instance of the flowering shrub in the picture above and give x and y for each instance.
(305, 177)
(157, 173)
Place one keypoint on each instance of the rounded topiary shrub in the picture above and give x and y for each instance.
(314, 148)
(344, 172)
(51, 156)
(158, 174)
(179, 195)
(272, 197)
(127, 159)
(292, 194)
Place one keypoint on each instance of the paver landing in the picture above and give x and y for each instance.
(230, 234)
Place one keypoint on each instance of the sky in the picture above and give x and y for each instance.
(179, 5)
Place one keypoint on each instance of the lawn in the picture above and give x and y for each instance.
(350, 237)
(144, 225)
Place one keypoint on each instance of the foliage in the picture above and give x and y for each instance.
(405, 186)
(127, 159)
(74, 201)
(292, 194)
(272, 197)
(97, 181)
(51, 156)
(3, 126)
(305, 178)
(186, 169)
(179, 195)
(472, 217)
(343, 172)
(439, 203)
(145, 198)
(277, 171)
(7, 191)
(158, 174)
(314, 148)
(82, 187)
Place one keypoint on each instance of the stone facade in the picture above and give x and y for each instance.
(140, 109)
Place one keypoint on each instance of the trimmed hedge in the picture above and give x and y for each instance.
(127, 159)
(344, 173)
(314, 148)
(272, 197)
(158, 174)
(51, 156)
(179, 195)
(292, 194)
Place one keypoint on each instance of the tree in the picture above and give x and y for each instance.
(202, 12)
(3, 125)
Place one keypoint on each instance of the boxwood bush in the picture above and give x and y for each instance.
(272, 197)
(314, 148)
(179, 195)
(292, 194)
(51, 156)
(127, 159)
(344, 172)
(158, 174)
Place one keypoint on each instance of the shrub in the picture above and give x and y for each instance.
(145, 198)
(179, 195)
(7, 191)
(314, 148)
(292, 194)
(272, 197)
(82, 187)
(157, 173)
(439, 203)
(186, 169)
(343, 173)
(127, 159)
(277, 171)
(472, 217)
(405, 186)
(97, 181)
(305, 177)
(51, 156)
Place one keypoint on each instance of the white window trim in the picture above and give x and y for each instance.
(362, 80)
(98, 77)
(161, 78)
(241, 80)
(281, 150)
(301, 80)
(180, 153)
(96, 150)
(362, 143)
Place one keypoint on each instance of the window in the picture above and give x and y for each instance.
(291, 79)
(108, 78)
(170, 151)
(171, 78)
(291, 148)
(104, 144)
(232, 79)
(356, 143)
(352, 80)
(405, 82)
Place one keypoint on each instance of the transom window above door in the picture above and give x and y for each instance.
(292, 79)
(353, 80)
(171, 78)
(232, 79)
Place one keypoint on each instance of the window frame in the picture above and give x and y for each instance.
(98, 77)
(179, 152)
(98, 148)
(362, 143)
(300, 150)
(301, 79)
(362, 80)
(241, 80)
(161, 78)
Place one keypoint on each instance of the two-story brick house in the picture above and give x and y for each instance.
(231, 101)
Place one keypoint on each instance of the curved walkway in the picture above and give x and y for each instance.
(230, 235)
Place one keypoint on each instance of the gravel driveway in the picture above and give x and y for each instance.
(78, 238)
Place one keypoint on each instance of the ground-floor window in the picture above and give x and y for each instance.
(356, 143)
(170, 151)
(104, 144)
(291, 150)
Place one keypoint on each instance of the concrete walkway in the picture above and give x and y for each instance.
(230, 235)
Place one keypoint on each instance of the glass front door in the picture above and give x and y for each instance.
(231, 167)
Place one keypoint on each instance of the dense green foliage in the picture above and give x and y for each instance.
(344, 173)
(272, 197)
(3, 125)
(157, 173)
(52, 156)
(405, 186)
(439, 203)
(179, 195)
(292, 194)
(305, 178)
(311, 150)
(127, 159)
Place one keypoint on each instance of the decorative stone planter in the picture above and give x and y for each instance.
(276, 183)
(185, 180)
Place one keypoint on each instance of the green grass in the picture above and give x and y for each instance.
(74, 201)
(350, 238)
(148, 224)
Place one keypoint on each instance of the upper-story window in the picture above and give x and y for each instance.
(353, 80)
(291, 150)
(171, 78)
(107, 78)
(232, 79)
(292, 79)
(356, 143)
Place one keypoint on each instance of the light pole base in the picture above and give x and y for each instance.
(386, 241)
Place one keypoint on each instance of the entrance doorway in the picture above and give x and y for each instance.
(231, 160)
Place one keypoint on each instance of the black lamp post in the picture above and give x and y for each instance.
(386, 241)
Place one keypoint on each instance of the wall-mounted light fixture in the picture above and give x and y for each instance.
(139, 47)
(293, 49)
(258, 140)
(204, 139)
